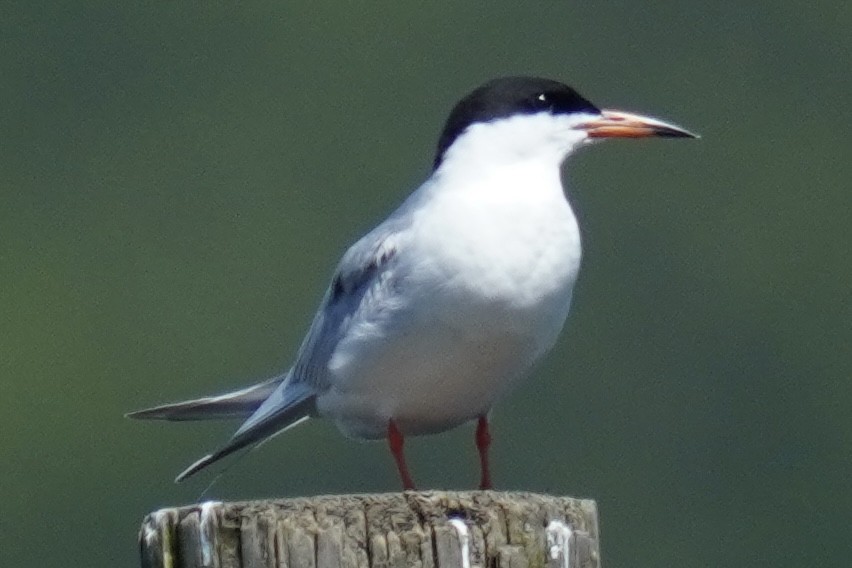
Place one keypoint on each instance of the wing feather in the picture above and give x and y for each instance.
(365, 273)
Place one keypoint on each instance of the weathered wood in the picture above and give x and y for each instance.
(421, 530)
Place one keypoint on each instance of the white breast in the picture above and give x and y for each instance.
(486, 273)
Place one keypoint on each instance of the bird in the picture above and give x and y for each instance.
(436, 313)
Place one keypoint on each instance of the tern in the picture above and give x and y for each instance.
(431, 317)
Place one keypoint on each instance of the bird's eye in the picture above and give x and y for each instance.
(542, 101)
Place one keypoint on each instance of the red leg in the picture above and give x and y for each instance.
(483, 441)
(396, 441)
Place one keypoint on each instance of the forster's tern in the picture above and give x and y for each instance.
(439, 310)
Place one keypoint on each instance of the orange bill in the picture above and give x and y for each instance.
(619, 124)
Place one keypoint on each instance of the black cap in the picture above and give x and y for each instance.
(508, 96)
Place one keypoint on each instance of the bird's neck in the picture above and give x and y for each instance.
(477, 160)
(525, 177)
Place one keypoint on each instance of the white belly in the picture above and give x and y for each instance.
(427, 381)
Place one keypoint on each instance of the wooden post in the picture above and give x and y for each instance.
(437, 529)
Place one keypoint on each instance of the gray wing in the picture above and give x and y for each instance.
(361, 278)
(362, 287)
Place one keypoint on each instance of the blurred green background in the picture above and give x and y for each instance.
(177, 181)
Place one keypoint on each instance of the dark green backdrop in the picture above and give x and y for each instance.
(177, 181)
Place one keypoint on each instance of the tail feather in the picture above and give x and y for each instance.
(296, 410)
(236, 404)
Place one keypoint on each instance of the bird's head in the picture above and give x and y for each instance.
(518, 118)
